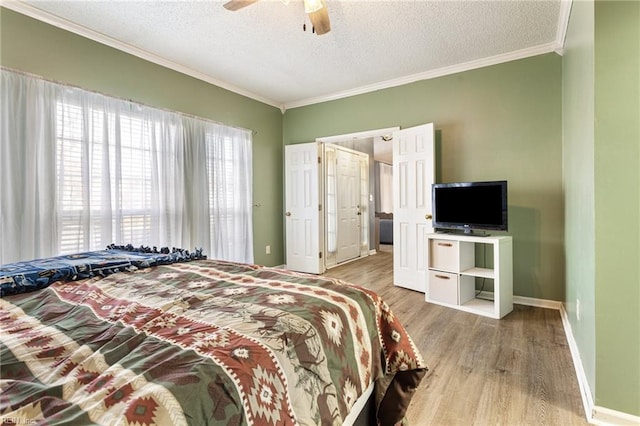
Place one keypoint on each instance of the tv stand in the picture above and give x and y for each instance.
(455, 262)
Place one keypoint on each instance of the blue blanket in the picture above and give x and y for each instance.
(22, 277)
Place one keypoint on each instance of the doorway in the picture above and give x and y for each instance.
(377, 145)
(413, 174)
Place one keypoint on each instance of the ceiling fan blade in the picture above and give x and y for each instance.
(238, 4)
(320, 20)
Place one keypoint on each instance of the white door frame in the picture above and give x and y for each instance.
(425, 227)
(358, 135)
(366, 134)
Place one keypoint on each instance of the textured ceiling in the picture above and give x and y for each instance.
(262, 51)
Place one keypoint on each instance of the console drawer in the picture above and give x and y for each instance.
(443, 287)
(443, 255)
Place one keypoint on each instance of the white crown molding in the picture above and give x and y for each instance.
(556, 46)
(563, 24)
(440, 72)
(40, 15)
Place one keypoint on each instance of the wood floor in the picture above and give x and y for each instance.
(513, 371)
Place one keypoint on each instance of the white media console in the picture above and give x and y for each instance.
(457, 262)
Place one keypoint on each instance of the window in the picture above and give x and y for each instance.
(119, 178)
(114, 203)
(124, 173)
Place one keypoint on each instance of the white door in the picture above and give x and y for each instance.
(349, 213)
(302, 208)
(413, 175)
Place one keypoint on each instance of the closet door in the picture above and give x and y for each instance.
(349, 212)
(302, 208)
(413, 175)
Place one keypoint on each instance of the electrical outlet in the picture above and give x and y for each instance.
(578, 309)
(268, 250)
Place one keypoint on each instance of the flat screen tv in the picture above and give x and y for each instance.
(469, 206)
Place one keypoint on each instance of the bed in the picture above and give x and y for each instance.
(170, 338)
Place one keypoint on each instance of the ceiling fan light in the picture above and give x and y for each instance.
(311, 6)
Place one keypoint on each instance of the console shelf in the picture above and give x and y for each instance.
(478, 272)
(454, 267)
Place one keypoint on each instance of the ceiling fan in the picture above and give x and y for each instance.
(316, 9)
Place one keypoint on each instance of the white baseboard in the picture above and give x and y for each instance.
(605, 416)
(527, 301)
(538, 303)
(595, 414)
(583, 383)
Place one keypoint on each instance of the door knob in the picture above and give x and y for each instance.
(287, 214)
(428, 216)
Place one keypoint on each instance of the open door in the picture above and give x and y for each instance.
(303, 226)
(413, 175)
(349, 211)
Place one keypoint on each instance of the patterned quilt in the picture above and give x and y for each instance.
(201, 343)
(23, 277)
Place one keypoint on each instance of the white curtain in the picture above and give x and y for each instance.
(28, 220)
(80, 170)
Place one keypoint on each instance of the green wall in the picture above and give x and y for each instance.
(601, 120)
(499, 122)
(507, 121)
(579, 181)
(617, 204)
(31, 46)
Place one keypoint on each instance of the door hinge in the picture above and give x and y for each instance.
(319, 207)
(320, 254)
(319, 160)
